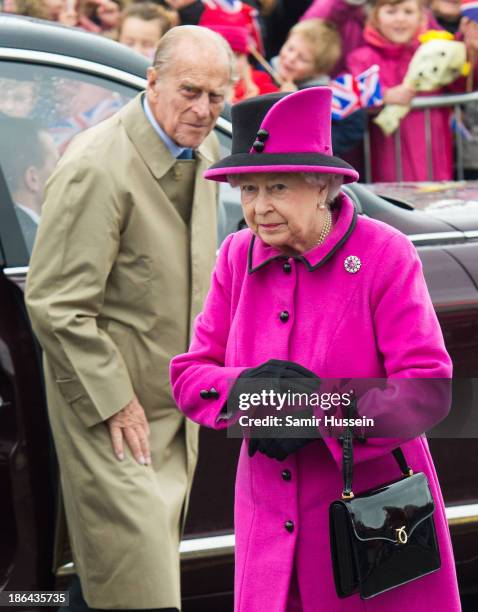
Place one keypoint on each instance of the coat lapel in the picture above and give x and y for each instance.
(149, 145)
(203, 223)
(159, 160)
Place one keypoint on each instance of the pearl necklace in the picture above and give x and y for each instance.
(325, 231)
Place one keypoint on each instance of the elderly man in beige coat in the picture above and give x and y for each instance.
(119, 270)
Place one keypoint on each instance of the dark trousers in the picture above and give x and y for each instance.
(78, 604)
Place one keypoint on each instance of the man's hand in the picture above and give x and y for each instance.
(130, 423)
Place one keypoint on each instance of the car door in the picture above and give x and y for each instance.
(43, 105)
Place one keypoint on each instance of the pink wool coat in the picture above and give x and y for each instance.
(378, 322)
(393, 61)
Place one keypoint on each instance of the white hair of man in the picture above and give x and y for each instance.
(193, 35)
(332, 181)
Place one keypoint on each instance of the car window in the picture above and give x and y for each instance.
(41, 109)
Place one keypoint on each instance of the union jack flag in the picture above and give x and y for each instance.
(345, 96)
(63, 131)
(351, 93)
(369, 85)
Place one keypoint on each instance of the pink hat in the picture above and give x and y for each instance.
(236, 36)
(283, 133)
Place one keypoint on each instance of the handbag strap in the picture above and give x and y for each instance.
(348, 457)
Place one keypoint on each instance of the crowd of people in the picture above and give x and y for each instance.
(282, 45)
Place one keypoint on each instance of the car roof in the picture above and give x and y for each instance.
(17, 32)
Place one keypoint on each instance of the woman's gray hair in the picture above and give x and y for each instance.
(333, 181)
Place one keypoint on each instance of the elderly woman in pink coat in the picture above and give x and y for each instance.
(311, 287)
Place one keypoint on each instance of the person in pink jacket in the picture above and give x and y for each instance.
(391, 38)
(312, 288)
(348, 15)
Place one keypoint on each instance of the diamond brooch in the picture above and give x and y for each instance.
(352, 264)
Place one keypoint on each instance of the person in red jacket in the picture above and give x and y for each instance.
(220, 12)
(251, 82)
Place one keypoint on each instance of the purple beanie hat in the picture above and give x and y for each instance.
(283, 133)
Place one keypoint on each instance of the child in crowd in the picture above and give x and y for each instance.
(348, 15)
(447, 14)
(250, 82)
(309, 55)
(221, 12)
(391, 37)
(307, 59)
(97, 16)
(141, 27)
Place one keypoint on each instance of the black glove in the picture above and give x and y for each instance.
(277, 375)
(283, 376)
(277, 448)
(280, 370)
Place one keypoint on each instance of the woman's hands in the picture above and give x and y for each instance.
(281, 448)
(130, 424)
(278, 376)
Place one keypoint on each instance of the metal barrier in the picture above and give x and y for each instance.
(426, 103)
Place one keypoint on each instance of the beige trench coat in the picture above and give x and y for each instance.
(116, 279)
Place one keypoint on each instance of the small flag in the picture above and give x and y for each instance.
(369, 86)
(351, 93)
(345, 96)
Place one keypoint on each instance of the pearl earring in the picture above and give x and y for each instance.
(322, 206)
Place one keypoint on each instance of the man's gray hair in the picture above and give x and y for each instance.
(333, 181)
(169, 43)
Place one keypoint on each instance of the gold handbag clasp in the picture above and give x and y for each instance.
(402, 535)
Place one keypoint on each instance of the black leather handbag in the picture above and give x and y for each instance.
(384, 537)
